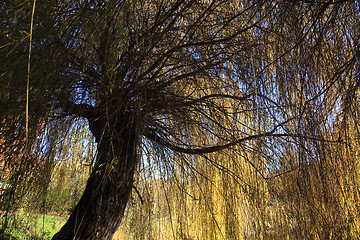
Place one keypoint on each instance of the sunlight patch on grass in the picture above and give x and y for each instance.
(33, 226)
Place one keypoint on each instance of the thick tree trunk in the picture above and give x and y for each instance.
(101, 207)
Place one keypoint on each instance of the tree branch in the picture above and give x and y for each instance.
(154, 137)
(81, 110)
(203, 99)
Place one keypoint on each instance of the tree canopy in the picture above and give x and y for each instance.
(183, 80)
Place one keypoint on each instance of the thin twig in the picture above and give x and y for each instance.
(28, 75)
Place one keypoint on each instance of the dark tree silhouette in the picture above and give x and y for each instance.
(183, 75)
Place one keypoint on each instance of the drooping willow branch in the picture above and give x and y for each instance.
(156, 138)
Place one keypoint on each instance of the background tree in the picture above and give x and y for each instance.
(181, 77)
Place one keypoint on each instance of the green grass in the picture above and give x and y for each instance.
(31, 226)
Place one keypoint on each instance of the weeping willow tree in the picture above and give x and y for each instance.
(189, 82)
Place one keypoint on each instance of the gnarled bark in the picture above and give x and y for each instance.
(101, 207)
